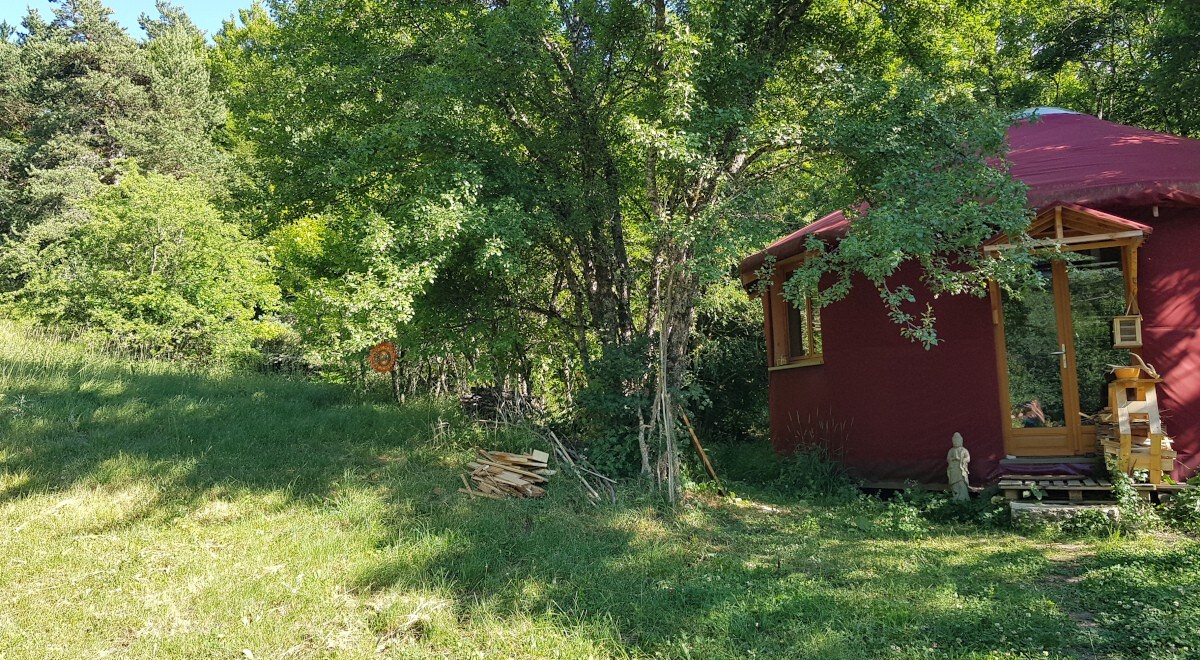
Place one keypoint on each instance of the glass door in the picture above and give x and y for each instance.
(1097, 294)
(1043, 407)
(1058, 351)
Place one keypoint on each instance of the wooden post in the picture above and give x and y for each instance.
(703, 455)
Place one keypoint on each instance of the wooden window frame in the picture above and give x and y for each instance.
(778, 324)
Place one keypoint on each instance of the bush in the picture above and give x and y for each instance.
(1182, 511)
(729, 366)
(1136, 514)
(152, 264)
(618, 388)
(988, 509)
(813, 473)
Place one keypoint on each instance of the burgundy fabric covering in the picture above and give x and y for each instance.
(899, 403)
(1169, 297)
(1094, 162)
(1039, 469)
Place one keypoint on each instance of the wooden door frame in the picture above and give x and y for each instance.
(1075, 438)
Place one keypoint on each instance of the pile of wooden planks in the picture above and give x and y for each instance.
(499, 474)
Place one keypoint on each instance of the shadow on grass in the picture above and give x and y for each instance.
(721, 582)
(714, 580)
(190, 434)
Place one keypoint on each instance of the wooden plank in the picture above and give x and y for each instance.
(516, 459)
(1130, 253)
(473, 493)
(488, 487)
(511, 478)
(510, 468)
(768, 326)
(781, 351)
(1075, 495)
(1001, 356)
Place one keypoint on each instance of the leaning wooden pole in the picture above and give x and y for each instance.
(703, 454)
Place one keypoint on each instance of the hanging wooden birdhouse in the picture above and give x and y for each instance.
(1127, 331)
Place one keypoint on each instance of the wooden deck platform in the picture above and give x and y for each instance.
(1074, 488)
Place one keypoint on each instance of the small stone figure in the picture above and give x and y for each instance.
(957, 472)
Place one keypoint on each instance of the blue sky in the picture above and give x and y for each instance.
(207, 14)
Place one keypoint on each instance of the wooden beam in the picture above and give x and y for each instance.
(767, 328)
(809, 327)
(1089, 241)
(1066, 335)
(803, 362)
(781, 352)
(1130, 254)
(1001, 365)
(795, 259)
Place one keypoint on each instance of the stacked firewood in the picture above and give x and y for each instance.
(499, 474)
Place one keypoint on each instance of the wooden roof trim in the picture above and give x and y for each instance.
(1072, 224)
(1120, 236)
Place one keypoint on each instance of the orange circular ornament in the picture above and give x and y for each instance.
(382, 357)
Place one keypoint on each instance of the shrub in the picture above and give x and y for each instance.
(988, 508)
(1182, 511)
(152, 264)
(1090, 523)
(812, 472)
(729, 368)
(1136, 513)
(618, 387)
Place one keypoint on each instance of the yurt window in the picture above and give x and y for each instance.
(796, 329)
(804, 331)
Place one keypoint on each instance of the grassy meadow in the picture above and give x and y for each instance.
(152, 510)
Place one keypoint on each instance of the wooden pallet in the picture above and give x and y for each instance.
(1013, 486)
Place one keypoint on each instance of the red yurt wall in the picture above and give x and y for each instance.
(886, 406)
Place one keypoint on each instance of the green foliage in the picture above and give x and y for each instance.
(1182, 511)
(616, 400)
(1090, 523)
(81, 95)
(728, 374)
(151, 264)
(811, 472)
(987, 509)
(920, 151)
(1136, 513)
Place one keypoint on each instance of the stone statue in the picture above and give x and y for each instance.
(957, 472)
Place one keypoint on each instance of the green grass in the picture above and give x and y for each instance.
(151, 510)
